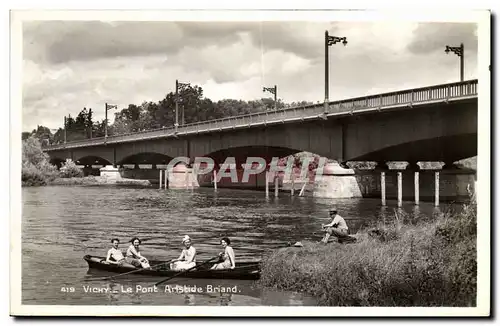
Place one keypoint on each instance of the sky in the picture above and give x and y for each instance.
(68, 65)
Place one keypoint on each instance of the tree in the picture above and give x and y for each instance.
(155, 115)
(25, 135)
(32, 152)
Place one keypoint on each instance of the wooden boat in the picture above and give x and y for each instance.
(242, 271)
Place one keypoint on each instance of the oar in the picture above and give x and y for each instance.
(127, 273)
(187, 270)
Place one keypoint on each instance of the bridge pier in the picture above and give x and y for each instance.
(436, 188)
(382, 167)
(400, 189)
(267, 184)
(336, 182)
(413, 166)
(382, 187)
(215, 180)
(276, 186)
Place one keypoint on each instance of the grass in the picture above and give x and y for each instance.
(404, 263)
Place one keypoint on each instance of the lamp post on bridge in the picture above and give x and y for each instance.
(177, 86)
(106, 108)
(458, 50)
(330, 40)
(272, 90)
(65, 130)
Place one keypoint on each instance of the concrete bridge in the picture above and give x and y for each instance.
(435, 123)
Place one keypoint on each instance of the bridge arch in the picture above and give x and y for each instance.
(435, 149)
(241, 153)
(57, 161)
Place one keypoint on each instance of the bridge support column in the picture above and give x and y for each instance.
(417, 187)
(382, 187)
(400, 189)
(215, 180)
(382, 167)
(267, 184)
(413, 166)
(292, 189)
(136, 166)
(161, 180)
(194, 177)
(166, 178)
(436, 188)
(276, 186)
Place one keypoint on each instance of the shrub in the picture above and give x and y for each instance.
(70, 170)
(32, 176)
(36, 169)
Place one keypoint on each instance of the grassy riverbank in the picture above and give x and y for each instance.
(427, 263)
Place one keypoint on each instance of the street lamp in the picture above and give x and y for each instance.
(65, 129)
(330, 40)
(272, 90)
(177, 87)
(458, 50)
(106, 108)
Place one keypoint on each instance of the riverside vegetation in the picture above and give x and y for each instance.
(402, 262)
(37, 170)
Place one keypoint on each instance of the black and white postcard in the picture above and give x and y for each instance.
(257, 163)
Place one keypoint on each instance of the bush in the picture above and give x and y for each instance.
(32, 176)
(70, 170)
(36, 169)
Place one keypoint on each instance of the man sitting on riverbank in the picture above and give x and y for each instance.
(337, 227)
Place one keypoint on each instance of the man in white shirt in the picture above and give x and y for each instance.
(115, 255)
(337, 227)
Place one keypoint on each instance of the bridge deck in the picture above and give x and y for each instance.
(412, 97)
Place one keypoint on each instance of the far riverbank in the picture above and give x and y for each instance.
(95, 181)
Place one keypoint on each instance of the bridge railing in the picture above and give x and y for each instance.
(428, 94)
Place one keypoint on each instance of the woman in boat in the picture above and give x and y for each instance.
(115, 255)
(134, 256)
(228, 259)
(187, 259)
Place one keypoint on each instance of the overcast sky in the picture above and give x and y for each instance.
(70, 65)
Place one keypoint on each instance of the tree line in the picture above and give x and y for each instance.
(193, 107)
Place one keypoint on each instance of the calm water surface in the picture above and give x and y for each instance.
(61, 224)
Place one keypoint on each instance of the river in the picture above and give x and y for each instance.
(61, 224)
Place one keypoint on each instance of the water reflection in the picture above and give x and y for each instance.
(66, 223)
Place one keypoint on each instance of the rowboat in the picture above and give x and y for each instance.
(242, 271)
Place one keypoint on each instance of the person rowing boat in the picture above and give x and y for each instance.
(115, 255)
(187, 259)
(134, 256)
(227, 256)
